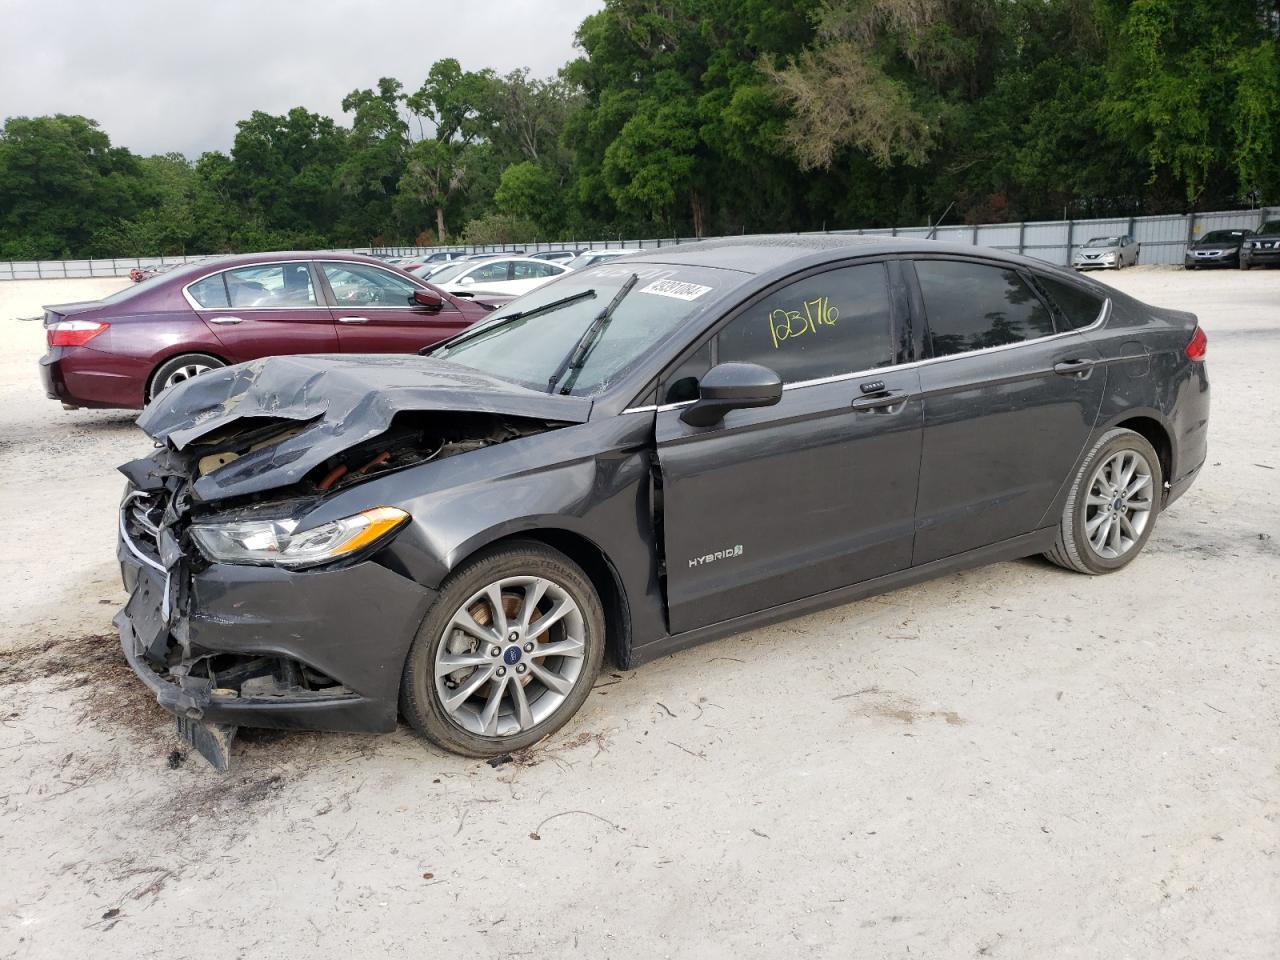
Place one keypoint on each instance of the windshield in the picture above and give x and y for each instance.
(1104, 242)
(438, 274)
(1270, 229)
(590, 257)
(530, 351)
(1222, 236)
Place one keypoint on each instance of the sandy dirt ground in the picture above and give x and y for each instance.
(1012, 762)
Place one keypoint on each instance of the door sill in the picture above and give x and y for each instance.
(1014, 548)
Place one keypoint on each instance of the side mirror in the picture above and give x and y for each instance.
(425, 298)
(732, 386)
(467, 280)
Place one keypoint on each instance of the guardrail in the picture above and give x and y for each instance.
(1163, 238)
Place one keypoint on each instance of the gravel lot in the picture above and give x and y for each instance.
(1012, 762)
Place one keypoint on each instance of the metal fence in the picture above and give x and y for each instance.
(1163, 239)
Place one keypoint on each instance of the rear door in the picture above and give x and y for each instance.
(812, 494)
(264, 309)
(1011, 395)
(374, 313)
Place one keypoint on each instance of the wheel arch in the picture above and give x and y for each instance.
(1155, 433)
(173, 353)
(595, 563)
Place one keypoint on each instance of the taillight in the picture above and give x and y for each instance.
(1198, 346)
(74, 333)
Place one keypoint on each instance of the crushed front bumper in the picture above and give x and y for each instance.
(226, 645)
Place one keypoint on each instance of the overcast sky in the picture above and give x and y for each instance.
(177, 75)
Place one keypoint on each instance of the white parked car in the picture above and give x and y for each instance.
(510, 276)
(589, 258)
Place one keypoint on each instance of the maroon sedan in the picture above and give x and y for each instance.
(123, 350)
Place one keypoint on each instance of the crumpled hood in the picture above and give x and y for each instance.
(346, 399)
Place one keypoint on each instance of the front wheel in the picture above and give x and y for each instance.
(507, 654)
(1112, 507)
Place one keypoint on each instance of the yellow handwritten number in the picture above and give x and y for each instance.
(789, 324)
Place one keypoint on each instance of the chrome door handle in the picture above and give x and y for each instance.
(880, 400)
(353, 319)
(227, 320)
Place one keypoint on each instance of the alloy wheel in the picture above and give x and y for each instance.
(1119, 504)
(510, 656)
(185, 372)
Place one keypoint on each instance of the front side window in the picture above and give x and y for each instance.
(824, 325)
(362, 285)
(973, 306)
(267, 285)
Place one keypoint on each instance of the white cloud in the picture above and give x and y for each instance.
(163, 76)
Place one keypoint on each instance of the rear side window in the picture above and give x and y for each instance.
(535, 271)
(1077, 306)
(210, 292)
(973, 306)
(271, 285)
(822, 326)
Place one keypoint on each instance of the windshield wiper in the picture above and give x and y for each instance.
(577, 357)
(496, 322)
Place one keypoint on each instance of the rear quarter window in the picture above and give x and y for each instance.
(211, 292)
(1077, 306)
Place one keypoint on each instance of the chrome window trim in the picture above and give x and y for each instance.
(1103, 314)
(191, 301)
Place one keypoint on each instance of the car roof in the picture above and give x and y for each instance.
(511, 256)
(769, 253)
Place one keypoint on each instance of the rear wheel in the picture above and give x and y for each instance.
(507, 654)
(1112, 507)
(179, 370)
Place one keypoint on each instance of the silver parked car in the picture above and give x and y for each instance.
(1107, 252)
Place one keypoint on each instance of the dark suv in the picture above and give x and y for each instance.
(1262, 248)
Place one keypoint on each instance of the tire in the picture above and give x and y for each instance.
(1082, 520)
(1244, 265)
(471, 725)
(180, 368)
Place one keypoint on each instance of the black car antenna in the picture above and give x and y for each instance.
(577, 357)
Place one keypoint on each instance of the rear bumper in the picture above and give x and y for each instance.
(185, 634)
(82, 377)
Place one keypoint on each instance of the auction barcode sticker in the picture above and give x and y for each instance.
(675, 288)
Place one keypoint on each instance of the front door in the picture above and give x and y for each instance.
(812, 494)
(374, 312)
(264, 310)
(1009, 403)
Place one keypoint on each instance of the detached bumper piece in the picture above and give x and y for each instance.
(222, 646)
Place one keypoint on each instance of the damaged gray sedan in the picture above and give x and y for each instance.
(635, 458)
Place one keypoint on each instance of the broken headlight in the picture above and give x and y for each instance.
(274, 542)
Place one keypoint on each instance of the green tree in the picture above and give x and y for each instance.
(61, 182)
